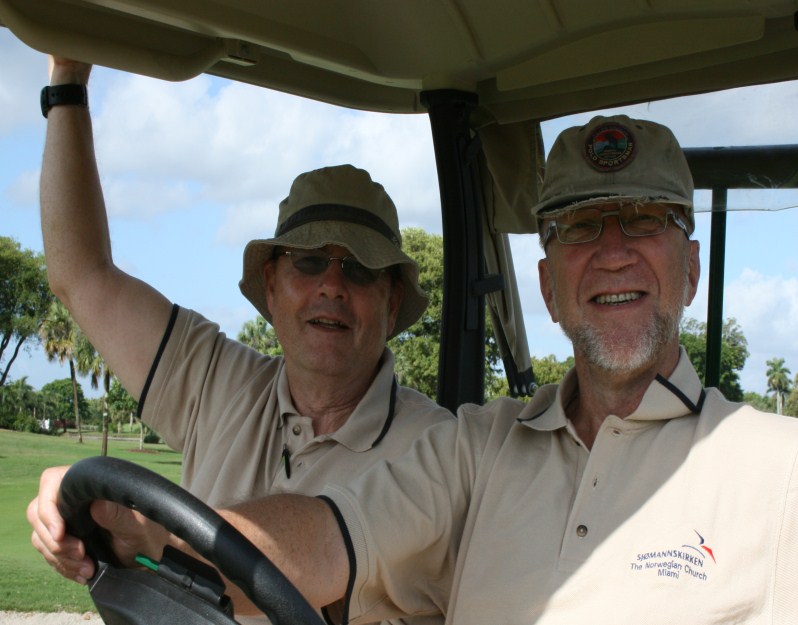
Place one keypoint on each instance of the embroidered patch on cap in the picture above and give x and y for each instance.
(611, 147)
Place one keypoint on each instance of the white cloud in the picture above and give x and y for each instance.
(241, 147)
(135, 196)
(746, 116)
(24, 189)
(245, 221)
(24, 74)
(766, 307)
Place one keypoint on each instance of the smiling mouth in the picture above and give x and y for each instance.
(328, 323)
(615, 299)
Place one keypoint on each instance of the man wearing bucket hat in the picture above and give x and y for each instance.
(627, 493)
(333, 281)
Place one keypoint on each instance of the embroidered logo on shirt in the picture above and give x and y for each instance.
(702, 546)
(692, 561)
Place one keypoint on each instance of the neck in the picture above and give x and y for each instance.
(602, 393)
(327, 400)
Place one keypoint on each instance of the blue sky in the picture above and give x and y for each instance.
(194, 170)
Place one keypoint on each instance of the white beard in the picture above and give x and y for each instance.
(625, 354)
(620, 352)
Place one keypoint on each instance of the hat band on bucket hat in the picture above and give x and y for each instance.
(337, 212)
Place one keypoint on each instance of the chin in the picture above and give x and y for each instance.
(624, 351)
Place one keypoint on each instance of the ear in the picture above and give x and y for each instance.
(547, 287)
(693, 269)
(394, 302)
(268, 269)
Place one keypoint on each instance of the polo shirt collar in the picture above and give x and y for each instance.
(679, 395)
(372, 417)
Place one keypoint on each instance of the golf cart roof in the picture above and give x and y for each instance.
(525, 59)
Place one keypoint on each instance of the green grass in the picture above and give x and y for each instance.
(27, 583)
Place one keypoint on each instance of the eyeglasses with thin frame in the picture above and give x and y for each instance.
(315, 262)
(636, 220)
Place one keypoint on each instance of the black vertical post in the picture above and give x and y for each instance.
(461, 366)
(717, 260)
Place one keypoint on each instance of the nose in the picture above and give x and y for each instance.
(332, 281)
(613, 251)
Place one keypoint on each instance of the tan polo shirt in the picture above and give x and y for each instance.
(229, 410)
(684, 512)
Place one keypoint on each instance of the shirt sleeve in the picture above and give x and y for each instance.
(196, 374)
(403, 521)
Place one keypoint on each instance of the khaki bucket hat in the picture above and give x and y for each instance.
(616, 158)
(338, 205)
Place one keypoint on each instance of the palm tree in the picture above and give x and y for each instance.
(18, 404)
(58, 339)
(778, 381)
(89, 362)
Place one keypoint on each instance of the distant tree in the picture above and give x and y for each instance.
(416, 349)
(46, 408)
(24, 300)
(760, 402)
(791, 405)
(121, 404)
(778, 381)
(18, 406)
(259, 335)
(549, 370)
(733, 353)
(95, 414)
(64, 402)
(89, 362)
(59, 339)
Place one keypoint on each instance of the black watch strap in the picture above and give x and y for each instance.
(63, 94)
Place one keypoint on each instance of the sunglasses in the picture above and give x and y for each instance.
(314, 263)
(637, 220)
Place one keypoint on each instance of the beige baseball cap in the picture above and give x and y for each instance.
(612, 159)
(338, 205)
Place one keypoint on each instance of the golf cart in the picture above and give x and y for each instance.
(487, 74)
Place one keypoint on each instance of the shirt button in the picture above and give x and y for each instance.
(616, 432)
(581, 531)
(297, 430)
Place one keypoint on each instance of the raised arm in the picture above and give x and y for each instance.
(123, 317)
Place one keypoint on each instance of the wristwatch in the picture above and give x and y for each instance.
(63, 94)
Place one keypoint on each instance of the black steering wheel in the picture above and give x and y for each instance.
(183, 594)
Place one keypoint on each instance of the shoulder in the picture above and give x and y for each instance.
(418, 405)
(717, 408)
(195, 349)
(491, 420)
(760, 433)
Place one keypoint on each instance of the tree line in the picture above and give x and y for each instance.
(30, 314)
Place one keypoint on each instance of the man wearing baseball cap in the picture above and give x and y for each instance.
(627, 493)
(333, 281)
